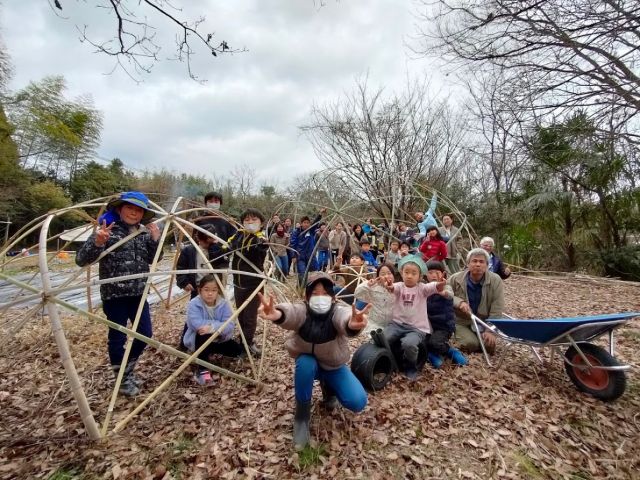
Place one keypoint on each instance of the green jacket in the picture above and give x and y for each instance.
(491, 302)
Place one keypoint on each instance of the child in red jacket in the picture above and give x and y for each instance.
(433, 247)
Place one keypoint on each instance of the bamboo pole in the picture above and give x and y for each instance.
(149, 341)
(265, 325)
(201, 253)
(109, 250)
(134, 327)
(120, 425)
(98, 282)
(89, 302)
(176, 256)
(22, 321)
(63, 347)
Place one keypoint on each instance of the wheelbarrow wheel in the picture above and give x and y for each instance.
(605, 385)
(372, 366)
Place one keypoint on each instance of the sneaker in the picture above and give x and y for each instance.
(203, 378)
(255, 351)
(411, 373)
(135, 380)
(128, 388)
(435, 360)
(456, 356)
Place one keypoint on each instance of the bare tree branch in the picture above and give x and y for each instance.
(134, 45)
(556, 55)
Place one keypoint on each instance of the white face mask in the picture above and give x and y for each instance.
(320, 303)
(213, 206)
(252, 227)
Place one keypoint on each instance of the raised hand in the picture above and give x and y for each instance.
(359, 317)
(154, 231)
(323, 210)
(103, 233)
(266, 309)
(440, 285)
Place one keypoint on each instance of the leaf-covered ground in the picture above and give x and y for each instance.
(522, 421)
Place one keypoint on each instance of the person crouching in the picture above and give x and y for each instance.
(320, 347)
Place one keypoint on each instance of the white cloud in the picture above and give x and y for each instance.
(248, 111)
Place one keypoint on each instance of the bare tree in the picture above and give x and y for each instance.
(242, 179)
(134, 44)
(379, 146)
(556, 54)
(502, 130)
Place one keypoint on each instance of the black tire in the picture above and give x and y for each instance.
(372, 365)
(606, 385)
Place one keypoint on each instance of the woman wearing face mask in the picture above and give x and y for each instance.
(319, 344)
(252, 244)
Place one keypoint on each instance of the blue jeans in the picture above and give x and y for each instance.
(282, 263)
(342, 381)
(410, 340)
(302, 264)
(323, 259)
(120, 311)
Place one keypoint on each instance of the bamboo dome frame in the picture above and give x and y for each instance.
(173, 220)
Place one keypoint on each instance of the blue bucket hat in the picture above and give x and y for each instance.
(416, 259)
(138, 199)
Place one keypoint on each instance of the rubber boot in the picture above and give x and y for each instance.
(456, 356)
(329, 399)
(301, 425)
(435, 360)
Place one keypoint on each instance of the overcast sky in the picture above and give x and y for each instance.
(249, 110)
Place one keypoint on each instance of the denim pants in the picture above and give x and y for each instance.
(303, 263)
(282, 262)
(121, 310)
(410, 339)
(342, 381)
(323, 259)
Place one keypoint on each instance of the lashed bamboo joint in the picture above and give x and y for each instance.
(67, 292)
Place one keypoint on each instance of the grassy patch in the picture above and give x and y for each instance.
(580, 476)
(176, 469)
(583, 425)
(66, 473)
(183, 444)
(526, 465)
(311, 456)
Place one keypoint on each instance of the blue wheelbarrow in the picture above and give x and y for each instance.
(592, 369)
